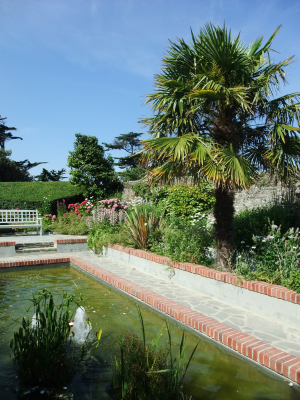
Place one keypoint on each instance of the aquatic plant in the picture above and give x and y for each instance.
(43, 350)
(148, 372)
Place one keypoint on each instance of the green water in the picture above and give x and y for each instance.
(214, 373)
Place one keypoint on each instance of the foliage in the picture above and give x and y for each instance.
(4, 134)
(184, 242)
(274, 258)
(51, 176)
(37, 195)
(216, 114)
(70, 224)
(145, 371)
(44, 354)
(112, 204)
(140, 224)
(184, 200)
(91, 169)
(61, 207)
(130, 143)
(48, 222)
(132, 174)
(105, 234)
(83, 209)
(10, 171)
(257, 222)
(143, 190)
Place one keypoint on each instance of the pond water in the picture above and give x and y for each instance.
(214, 373)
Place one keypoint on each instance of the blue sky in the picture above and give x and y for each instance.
(71, 66)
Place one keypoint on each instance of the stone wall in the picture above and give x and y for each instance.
(264, 192)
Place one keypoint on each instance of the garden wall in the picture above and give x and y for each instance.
(264, 192)
(267, 300)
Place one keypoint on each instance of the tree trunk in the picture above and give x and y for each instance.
(223, 212)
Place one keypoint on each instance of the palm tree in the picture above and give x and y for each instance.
(216, 115)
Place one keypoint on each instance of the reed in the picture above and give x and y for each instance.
(143, 371)
(43, 351)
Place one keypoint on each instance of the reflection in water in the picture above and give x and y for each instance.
(214, 373)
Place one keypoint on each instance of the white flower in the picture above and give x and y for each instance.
(242, 241)
(239, 256)
(253, 247)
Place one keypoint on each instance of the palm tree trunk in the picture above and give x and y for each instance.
(223, 213)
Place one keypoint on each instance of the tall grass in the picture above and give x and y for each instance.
(148, 372)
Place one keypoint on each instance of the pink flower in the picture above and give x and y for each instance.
(54, 217)
(285, 243)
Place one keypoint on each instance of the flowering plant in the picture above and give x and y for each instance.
(61, 208)
(274, 258)
(113, 204)
(48, 221)
(83, 209)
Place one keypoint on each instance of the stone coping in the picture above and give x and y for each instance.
(255, 349)
(267, 289)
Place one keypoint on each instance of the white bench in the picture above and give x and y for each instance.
(21, 219)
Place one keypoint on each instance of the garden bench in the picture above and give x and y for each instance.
(21, 219)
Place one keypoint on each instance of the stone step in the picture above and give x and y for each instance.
(37, 245)
(36, 250)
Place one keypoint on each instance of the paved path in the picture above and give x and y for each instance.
(34, 238)
(278, 335)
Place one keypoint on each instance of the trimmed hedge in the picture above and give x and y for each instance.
(42, 196)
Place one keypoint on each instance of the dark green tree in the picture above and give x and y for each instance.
(91, 169)
(10, 171)
(4, 134)
(51, 176)
(131, 164)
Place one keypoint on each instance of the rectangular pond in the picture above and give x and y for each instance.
(215, 373)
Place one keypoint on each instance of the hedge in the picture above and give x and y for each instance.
(38, 195)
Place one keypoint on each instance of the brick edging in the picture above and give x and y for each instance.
(267, 289)
(7, 244)
(68, 241)
(255, 349)
(34, 261)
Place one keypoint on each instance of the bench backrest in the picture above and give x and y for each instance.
(15, 216)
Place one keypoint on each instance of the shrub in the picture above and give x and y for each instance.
(83, 209)
(104, 234)
(44, 354)
(274, 258)
(257, 222)
(185, 242)
(42, 196)
(184, 201)
(71, 224)
(144, 371)
(112, 204)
